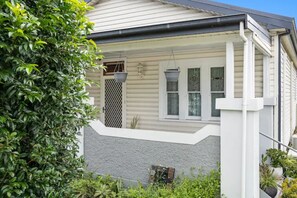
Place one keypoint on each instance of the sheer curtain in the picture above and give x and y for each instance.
(217, 88)
(194, 96)
(172, 98)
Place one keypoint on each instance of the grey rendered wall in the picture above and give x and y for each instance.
(131, 159)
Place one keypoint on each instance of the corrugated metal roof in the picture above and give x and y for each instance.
(271, 20)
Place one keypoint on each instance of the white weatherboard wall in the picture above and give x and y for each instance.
(288, 105)
(142, 95)
(121, 14)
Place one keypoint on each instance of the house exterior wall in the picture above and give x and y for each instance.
(142, 95)
(121, 14)
(131, 159)
(95, 89)
(288, 105)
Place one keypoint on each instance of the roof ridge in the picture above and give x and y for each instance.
(214, 2)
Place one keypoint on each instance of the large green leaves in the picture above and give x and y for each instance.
(44, 54)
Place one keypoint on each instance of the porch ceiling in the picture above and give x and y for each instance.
(180, 43)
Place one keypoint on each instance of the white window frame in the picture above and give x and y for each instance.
(210, 92)
(171, 116)
(187, 100)
(204, 64)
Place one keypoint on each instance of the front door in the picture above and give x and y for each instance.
(113, 103)
(112, 96)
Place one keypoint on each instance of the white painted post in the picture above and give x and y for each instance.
(231, 147)
(229, 70)
(232, 126)
(251, 68)
(266, 114)
(80, 135)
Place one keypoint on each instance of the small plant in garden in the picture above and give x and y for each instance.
(290, 166)
(91, 186)
(202, 185)
(276, 157)
(268, 182)
(289, 188)
(134, 122)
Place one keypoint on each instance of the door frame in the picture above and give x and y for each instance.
(102, 91)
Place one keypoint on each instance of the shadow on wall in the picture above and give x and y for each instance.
(131, 159)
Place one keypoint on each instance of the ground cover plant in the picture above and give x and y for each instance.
(201, 185)
(44, 54)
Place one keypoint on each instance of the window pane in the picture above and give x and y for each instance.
(214, 111)
(217, 79)
(194, 104)
(172, 86)
(194, 79)
(172, 104)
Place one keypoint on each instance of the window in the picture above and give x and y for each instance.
(217, 88)
(111, 67)
(193, 97)
(172, 98)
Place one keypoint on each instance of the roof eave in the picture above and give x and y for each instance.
(200, 26)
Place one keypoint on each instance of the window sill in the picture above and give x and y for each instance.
(190, 121)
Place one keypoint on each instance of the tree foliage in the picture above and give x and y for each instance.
(44, 54)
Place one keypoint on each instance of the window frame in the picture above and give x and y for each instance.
(167, 92)
(212, 118)
(205, 88)
(188, 117)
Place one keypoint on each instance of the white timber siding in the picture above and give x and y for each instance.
(239, 73)
(293, 96)
(142, 95)
(94, 90)
(288, 105)
(121, 14)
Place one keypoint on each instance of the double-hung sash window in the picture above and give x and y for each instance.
(172, 99)
(217, 88)
(194, 96)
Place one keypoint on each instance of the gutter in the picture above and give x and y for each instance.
(208, 25)
(279, 85)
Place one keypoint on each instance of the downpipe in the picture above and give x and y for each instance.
(244, 109)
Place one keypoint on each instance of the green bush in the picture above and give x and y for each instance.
(44, 54)
(92, 187)
(276, 156)
(289, 189)
(281, 159)
(266, 175)
(290, 166)
(188, 187)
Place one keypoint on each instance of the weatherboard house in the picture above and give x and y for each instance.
(236, 79)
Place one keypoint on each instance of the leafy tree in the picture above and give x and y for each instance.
(44, 54)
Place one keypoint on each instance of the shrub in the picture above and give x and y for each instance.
(290, 166)
(92, 187)
(44, 54)
(266, 175)
(276, 156)
(200, 186)
(289, 189)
